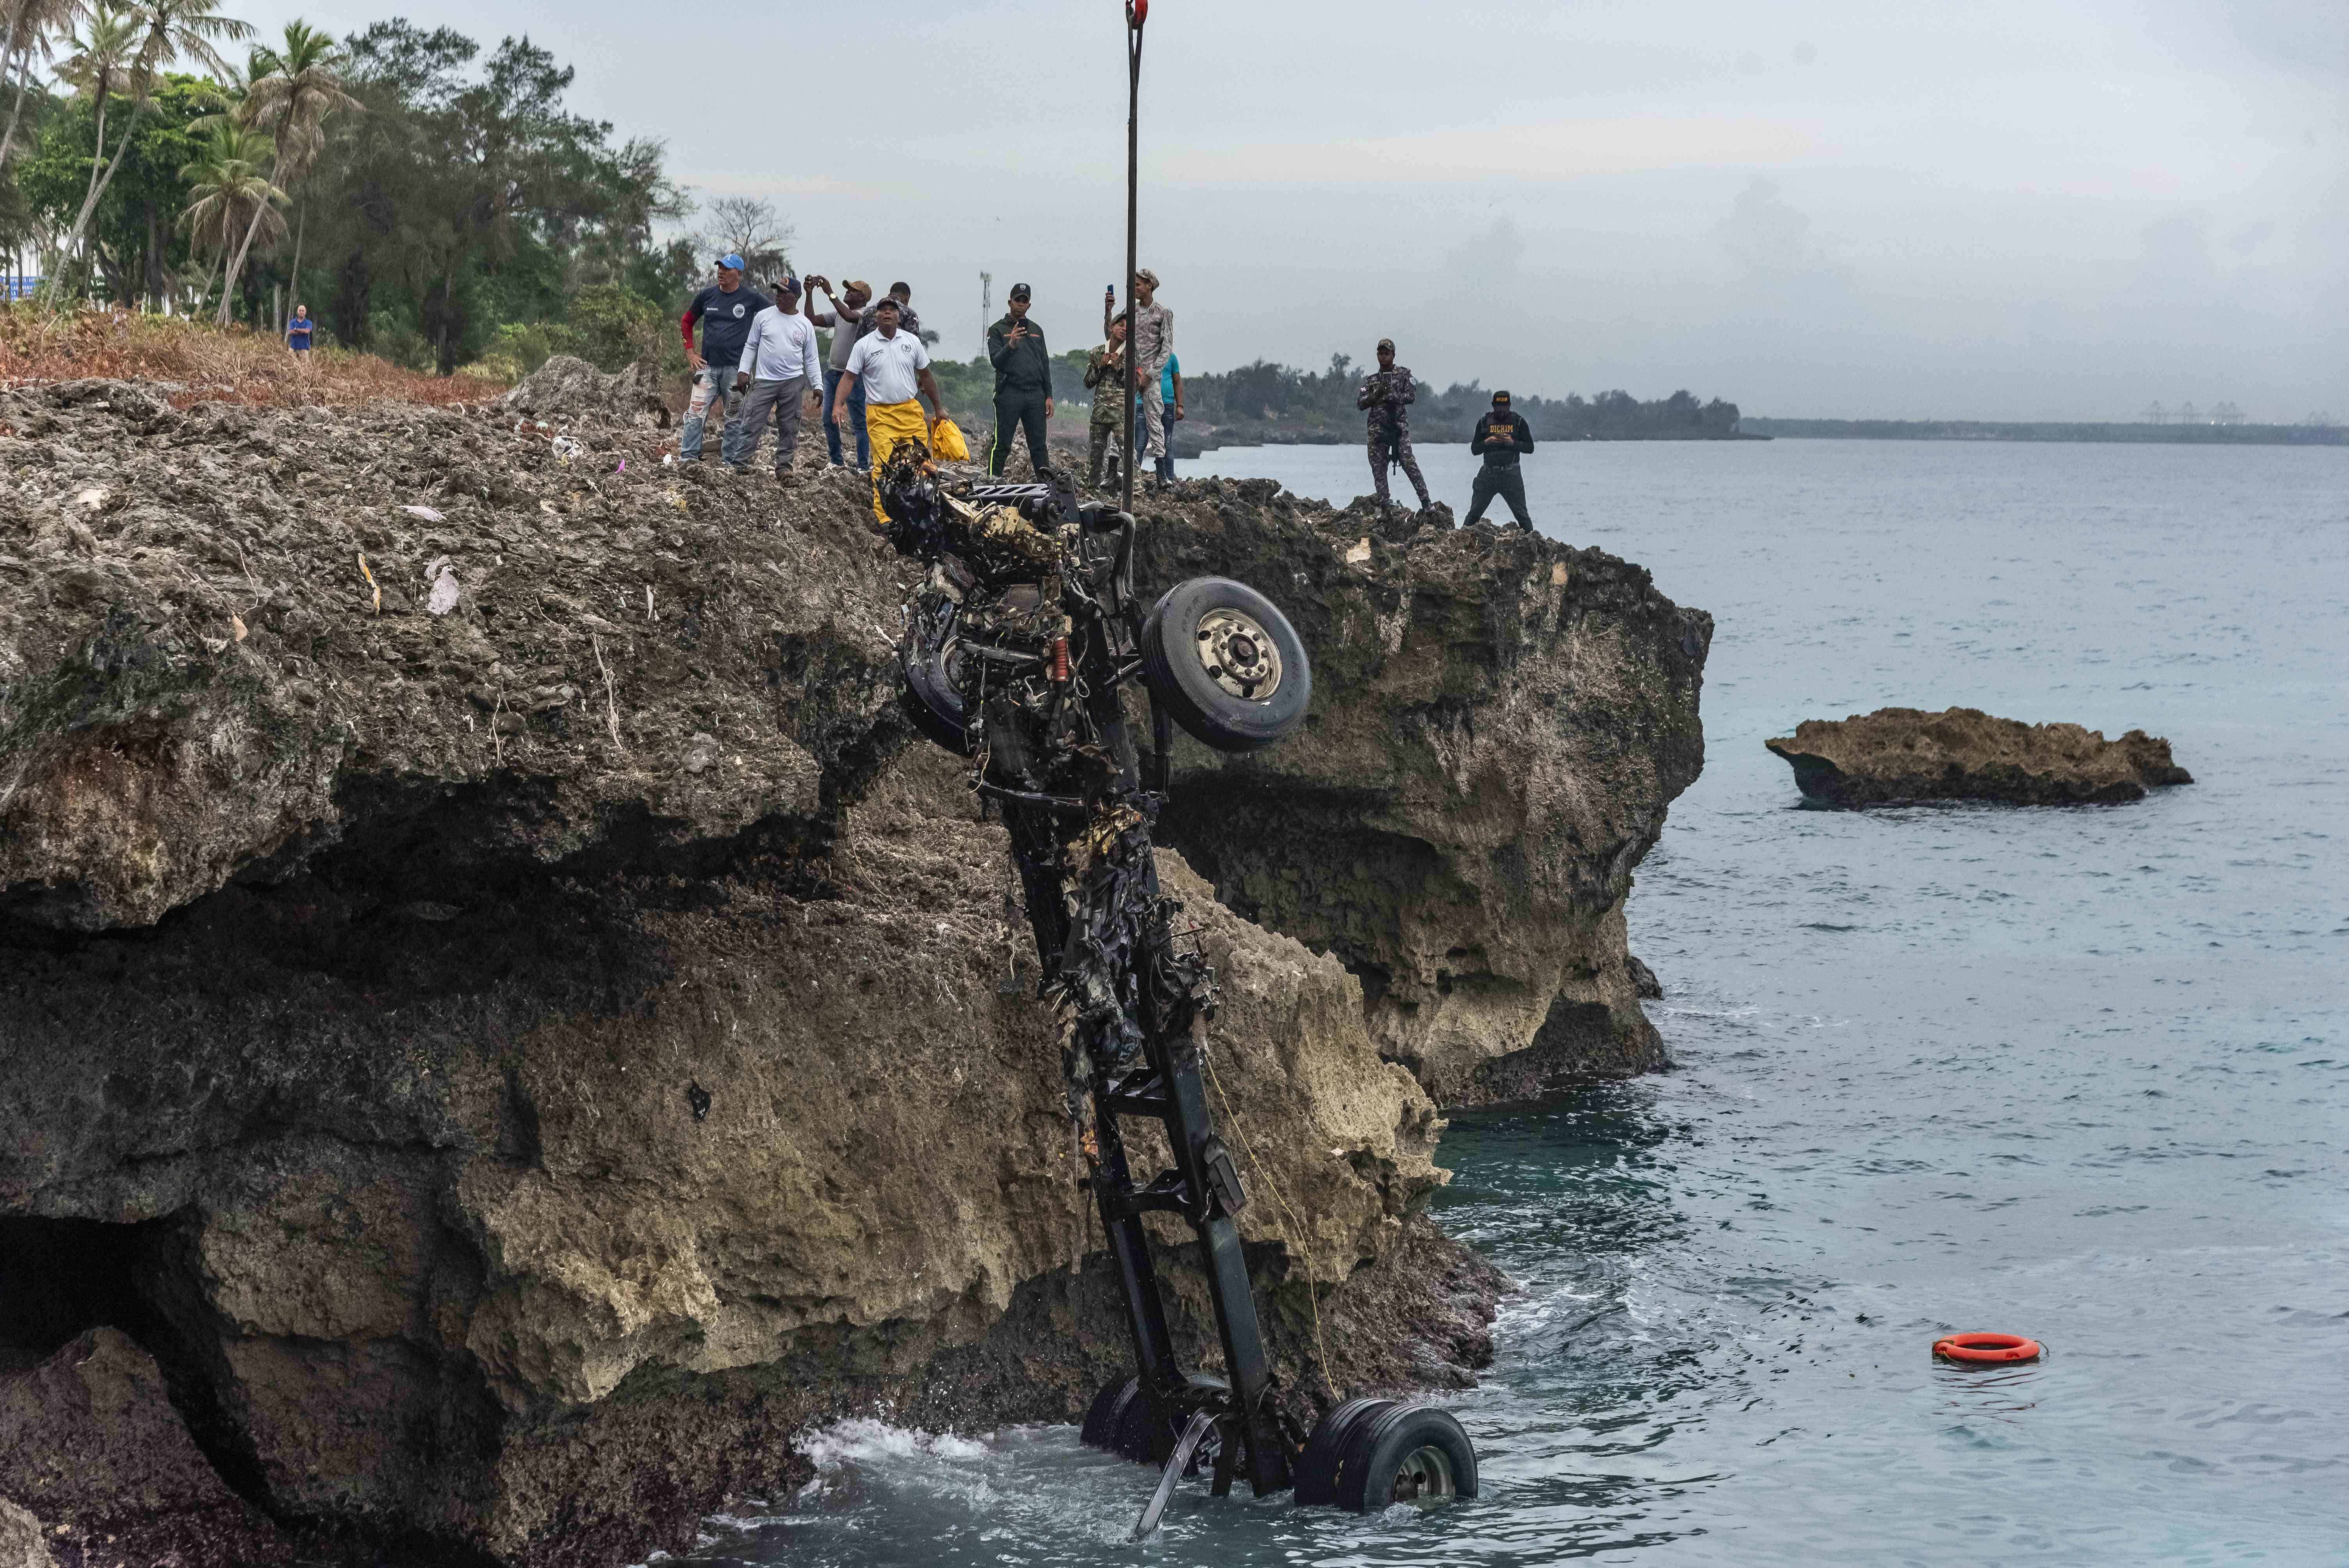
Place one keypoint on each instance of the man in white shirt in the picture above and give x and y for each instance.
(894, 369)
(780, 367)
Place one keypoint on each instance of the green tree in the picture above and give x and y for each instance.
(229, 195)
(132, 241)
(31, 26)
(467, 195)
(291, 95)
(167, 30)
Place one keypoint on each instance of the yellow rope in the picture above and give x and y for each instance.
(1320, 1349)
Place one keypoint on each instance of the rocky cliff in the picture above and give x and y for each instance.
(1459, 823)
(502, 1026)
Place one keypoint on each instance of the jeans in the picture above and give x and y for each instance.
(856, 415)
(712, 383)
(775, 402)
(1166, 449)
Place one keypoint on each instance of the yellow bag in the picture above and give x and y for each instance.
(947, 443)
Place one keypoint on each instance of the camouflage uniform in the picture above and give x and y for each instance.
(1388, 394)
(1102, 374)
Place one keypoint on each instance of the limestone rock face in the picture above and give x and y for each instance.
(1898, 756)
(21, 1542)
(495, 1003)
(1499, 722)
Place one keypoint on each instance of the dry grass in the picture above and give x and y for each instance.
(200, 363)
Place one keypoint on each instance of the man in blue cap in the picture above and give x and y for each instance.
(725, 312)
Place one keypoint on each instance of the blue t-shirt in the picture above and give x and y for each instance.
(1167, 374)
(726, 321)
(298, 336)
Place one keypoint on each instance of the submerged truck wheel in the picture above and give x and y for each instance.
(1319, 1466)
(1412, 1453)
(1226, 662)
(1119, 1422)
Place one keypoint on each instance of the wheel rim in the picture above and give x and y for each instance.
(1239, 654)
(1425, 1478)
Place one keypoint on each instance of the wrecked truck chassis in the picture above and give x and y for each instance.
(1018, 649)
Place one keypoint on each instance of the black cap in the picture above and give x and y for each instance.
(1019, 290)
(1500, 399)
(889, 302)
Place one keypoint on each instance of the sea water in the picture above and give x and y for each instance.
(2079, 1074)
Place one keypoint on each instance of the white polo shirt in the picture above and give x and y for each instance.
(887, 366)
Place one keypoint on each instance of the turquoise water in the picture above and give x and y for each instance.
(2078, 1074)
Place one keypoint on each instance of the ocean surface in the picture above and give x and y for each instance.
(2079, 1074)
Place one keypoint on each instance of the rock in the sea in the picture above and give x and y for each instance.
(517, 1066)
(1898, 756)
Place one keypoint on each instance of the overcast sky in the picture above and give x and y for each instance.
(2005, 209)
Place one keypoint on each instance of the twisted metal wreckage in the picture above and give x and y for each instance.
(1018, 646)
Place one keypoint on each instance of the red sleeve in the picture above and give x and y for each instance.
(687, 323)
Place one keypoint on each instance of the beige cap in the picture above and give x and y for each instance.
(1145, 276)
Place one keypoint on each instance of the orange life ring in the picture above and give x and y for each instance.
(1986, 1349)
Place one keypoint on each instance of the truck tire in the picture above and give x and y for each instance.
(1226, 662)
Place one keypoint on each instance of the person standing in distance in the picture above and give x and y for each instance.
(842, 320)
(1501, 437)
(1023, 383)
(895, 370)
(297, 331)
(1388, 396)
(724, 311)
(778, 369)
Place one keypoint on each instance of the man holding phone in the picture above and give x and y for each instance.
(1501, 437)
(1023, 383)
(844, 320)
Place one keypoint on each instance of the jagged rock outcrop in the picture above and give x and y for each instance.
(1899, 756)
(90, 1443)
(568, 387)
(498, 1006)
(1499, 723)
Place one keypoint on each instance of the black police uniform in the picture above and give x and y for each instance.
(1023, 384)
(1502, 437)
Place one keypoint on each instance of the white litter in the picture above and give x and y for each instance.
(444, 578)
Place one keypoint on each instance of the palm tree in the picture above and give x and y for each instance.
(101, 56)
(30, 25)
(225, 184)
(292, 93)
(168, 31)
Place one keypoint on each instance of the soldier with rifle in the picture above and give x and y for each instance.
(1387, 396)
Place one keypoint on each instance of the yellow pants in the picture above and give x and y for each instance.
(886, 425)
